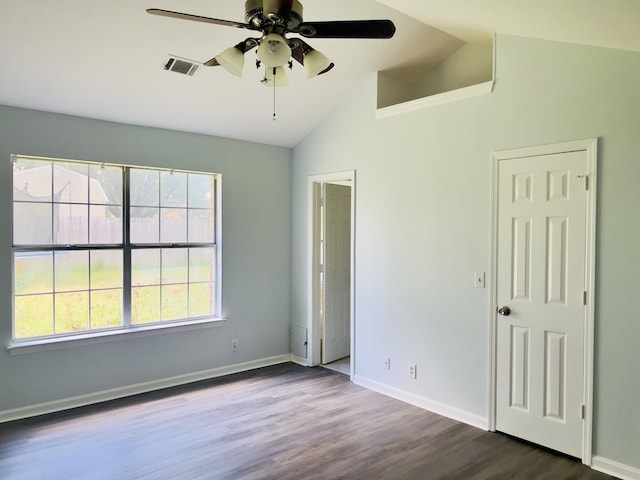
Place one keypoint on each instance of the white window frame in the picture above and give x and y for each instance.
(127, 330)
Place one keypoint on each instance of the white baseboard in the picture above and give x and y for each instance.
(299, 360)
(425, 403)
(617, 469)
(601, 464)
(105, 395)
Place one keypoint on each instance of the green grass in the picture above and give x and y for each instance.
(36, 316)
(74, 308)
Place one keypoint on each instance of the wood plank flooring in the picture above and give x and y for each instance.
(282, 422)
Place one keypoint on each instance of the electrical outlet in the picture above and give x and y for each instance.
(413, 371)
(234, 345)
(387, 363)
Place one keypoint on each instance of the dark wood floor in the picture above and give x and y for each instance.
(281, 422)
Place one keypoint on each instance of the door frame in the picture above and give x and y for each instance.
(313, 296)
(590, 146)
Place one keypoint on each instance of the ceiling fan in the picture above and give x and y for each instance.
(275, 20)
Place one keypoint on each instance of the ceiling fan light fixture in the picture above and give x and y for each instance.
(316, 63)
(275, 19)
(273, 50)
(280, 77)
(232, 59)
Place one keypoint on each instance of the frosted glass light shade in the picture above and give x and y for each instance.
(316, 63)
(232, 59)
(281, 78)
(273, 50)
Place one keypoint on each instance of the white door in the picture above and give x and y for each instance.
(337, 272)
(541, 279)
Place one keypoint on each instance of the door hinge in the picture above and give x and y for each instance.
(583, 412)
(584, 297)
(586, 181)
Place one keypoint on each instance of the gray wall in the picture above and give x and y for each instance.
(423, 224)
(423, 228)
(256, 258)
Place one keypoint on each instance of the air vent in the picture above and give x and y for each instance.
(181, 65)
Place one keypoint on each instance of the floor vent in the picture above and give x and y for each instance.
(181, 65)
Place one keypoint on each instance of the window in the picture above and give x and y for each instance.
(107, 247)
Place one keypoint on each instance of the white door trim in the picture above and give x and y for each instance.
(313, 322)
(590, 146)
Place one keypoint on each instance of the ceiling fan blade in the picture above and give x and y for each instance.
(297, 50)
(211, 63)
(348, 29)
(243, 47)
(198, 18)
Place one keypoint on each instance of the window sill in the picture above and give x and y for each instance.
(29, 346)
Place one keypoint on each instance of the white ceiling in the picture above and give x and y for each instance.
(103, 59)
(606, 23)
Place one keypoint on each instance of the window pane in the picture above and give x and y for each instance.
(201, 299)
(144, 187)
(201, 191)
(201, 227)
(71, 224)
(173, 189)
(145, 267)
(106, 309)
(72, 271)
(201, 264)
(33, 272)
(173, 225)
(175, 265)
(72, 312)
(106, 269)
(105, 224)
(73, 204)
(145, 225)
(32, 180)
(105, 186)
(174, 302)
(70, 182)
(32, 224)
(33, 316)
(145, 305)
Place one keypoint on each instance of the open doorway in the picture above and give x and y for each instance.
(332, 247)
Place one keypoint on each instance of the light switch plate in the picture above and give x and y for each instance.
(478, 279)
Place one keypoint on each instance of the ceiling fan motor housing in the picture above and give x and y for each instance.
(274, 15)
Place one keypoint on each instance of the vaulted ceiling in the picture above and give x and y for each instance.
(105, 59)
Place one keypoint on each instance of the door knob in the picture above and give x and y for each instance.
(504, 311)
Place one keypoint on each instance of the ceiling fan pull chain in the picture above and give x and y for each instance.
(274, 94)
